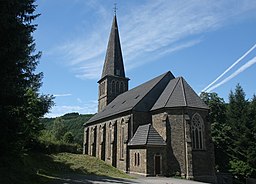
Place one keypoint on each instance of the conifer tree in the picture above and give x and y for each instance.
(239, 134)
(21, 105)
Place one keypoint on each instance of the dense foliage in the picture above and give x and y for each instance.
(234, 132)
(65, 129)
(21, 105)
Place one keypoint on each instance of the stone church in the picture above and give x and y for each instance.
(160, 127)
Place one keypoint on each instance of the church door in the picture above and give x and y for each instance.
(157, 164)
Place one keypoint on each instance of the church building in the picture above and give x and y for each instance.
(160, 127)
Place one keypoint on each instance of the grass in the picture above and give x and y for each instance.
(88, 165)
(38, 168)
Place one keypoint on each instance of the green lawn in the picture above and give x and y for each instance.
(37, 168)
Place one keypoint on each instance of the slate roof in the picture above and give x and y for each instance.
(141, 98)
(113, 64)
(146, 135)
(178, 93)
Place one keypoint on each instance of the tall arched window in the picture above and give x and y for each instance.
(121, 87)
(109, 140)
(197, 127)
(135, 159)
(117, 87)
(113, 87)
(102, 88)
(138, 159)
(122, 139)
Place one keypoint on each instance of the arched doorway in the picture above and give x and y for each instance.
(157, 164)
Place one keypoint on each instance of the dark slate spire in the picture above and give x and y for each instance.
(113, 64)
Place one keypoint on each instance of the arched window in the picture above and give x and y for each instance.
(103, 88)
(138, 159)
(135, 159)
(117, 87)
(197, 127)
(109, 140)
(113, 87)
(121, 87)
(122, 139)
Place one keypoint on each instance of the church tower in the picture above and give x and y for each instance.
(113, 81)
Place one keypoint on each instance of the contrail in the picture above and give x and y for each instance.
(62, 95)
(235, 63)
(238, 71)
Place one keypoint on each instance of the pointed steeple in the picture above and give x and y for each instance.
(113, 64)
(113, 81)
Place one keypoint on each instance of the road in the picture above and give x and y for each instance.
(92, 179)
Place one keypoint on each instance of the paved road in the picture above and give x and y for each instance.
(91, 179)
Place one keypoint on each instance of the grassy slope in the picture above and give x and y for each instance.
(37, 168)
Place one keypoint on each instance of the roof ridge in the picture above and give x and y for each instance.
(172, 91)
(164, 75)
(183, 90)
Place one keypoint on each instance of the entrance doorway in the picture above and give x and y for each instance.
(157, 164)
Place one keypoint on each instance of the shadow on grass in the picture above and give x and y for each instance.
(38, 168)
(82, 178)
(60, 172)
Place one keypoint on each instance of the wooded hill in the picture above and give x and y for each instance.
(67, 128)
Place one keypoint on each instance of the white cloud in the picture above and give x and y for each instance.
(89, 108)
(157, 27)
(79, 100)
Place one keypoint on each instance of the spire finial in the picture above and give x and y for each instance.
(115, 8)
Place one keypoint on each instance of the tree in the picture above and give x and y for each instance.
(68, 137)
(21, 105)
(58, 129)
(241, 143)
(217, 119)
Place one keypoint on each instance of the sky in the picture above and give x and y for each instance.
(200, 40)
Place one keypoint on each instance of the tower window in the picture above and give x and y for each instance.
(117, 87)
(197, 127)
(117, 72)
(113, 87)
(121, 87)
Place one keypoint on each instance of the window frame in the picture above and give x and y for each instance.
(197, 132)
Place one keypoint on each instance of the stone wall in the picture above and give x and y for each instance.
(138, 160)
(110, 143)
(151, 153)
(174, 125)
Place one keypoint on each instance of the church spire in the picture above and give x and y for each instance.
(113, 64)
(113, 81)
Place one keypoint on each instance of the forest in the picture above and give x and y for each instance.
(233, 128)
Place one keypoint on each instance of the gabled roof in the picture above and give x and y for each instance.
(146, 135)
(178, 93)
(141, 98)
(113, 64)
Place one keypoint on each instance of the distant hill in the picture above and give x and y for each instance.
(73, 122)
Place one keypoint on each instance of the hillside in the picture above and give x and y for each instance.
(38, 168)
(72, 122)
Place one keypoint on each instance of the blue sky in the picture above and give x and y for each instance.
(196, 39)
